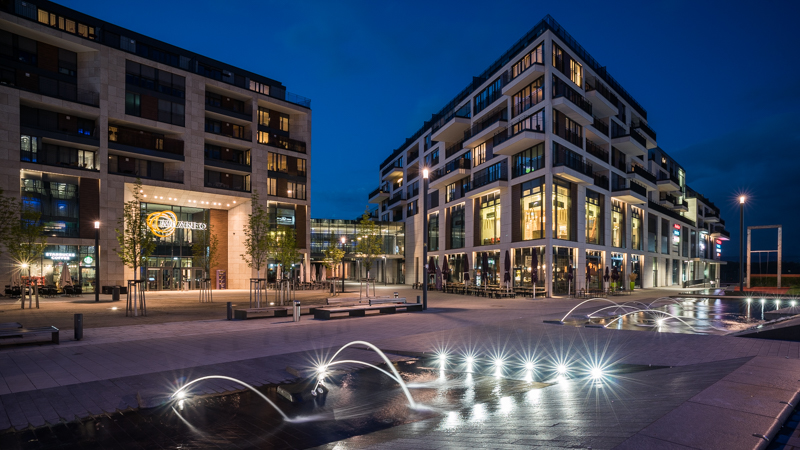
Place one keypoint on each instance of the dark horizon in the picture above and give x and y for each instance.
(373, 81)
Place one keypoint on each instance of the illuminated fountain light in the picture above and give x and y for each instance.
(596, 373)
(498, 363)
(777, 304)
(793, 303)
(180, 394)
(749, 300)
(469, 362)
(562, 369)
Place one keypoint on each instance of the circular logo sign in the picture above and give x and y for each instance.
(162, 223)
(88, 260)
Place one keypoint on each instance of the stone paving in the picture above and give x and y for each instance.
(116, 368)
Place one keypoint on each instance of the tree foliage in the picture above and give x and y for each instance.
(286, 253)
(136, 242)
(369, 240)
(205, 249)
(259, 242)
(25, 240)
(333, 256)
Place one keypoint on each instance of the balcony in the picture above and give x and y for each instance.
(597, 130)
(396, 198)
(480, 131)
(226, 129)
(451, 172)
(227, 181)
(681, 206)
(453, 149)
(711, 217)
(393, 171)
(642, 176)
(282, 142)
(489, 179)
(630, 192)
(451, 128)
(172, 176)
(513, 85)
(647, 133)
(631, 143)
(142, 142)
(219, 104)
(670, 213)
(601, 181)
(604, 103)
(571, 166)
(379, 195)
(413, 155)
(51, 88)
(597, 151)
(525, 133)
(62, 156)
(667, 182)
(571, 103)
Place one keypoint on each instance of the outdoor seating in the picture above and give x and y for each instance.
(361, 311)
(22, 332)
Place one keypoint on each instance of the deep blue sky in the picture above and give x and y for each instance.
(718, 79)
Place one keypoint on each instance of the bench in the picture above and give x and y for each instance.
(361, 311)
(383, 301)
(272, 311)
(10, 325)
(22, 332)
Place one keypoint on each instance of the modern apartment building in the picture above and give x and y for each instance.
(545, 150)
(89, 107)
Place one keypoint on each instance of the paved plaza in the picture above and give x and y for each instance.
(702, 391)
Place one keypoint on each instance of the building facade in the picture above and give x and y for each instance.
(89, 107)
(545, 156)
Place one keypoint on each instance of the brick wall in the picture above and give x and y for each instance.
(219, 225)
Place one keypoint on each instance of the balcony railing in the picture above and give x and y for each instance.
(145, 140)
(395, 198)
(618, 160)
(670, 213)
(465, 113)
(638, 188)
(600, 126)
(601, 181)
(213, 104)
(565, 157)
(53, 88)
(54, 155)
(395, 165)
(602, 90)
(486, 123)
(618, 131)
(174, 176)
(596, 151)
(641, 171)
(569, 136)
(668, 176)
(495, 172)
(380, 190)
(456, 164)
(561, 89)
(413, 155)
(643, 126)
(453, 149)
(241, 134)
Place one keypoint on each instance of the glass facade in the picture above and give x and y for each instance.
(563, 210)
(527, 161)
(433, 231)
(594, 269)
(457, 229)
(532, 208)
(489, 214)
(652, 233)
(594, 218)
(523, 266)
(55, 197)
(78, 260)
(563, 257)
(487, 268)
(636, 228)
(617, 224)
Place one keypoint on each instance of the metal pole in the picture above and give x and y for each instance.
(741, 246)
(425, 242)
(97, 264)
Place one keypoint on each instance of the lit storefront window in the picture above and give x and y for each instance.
(617, 224)
(490, 219)
(532, 208)
(594, 218)
(563, 217)
(636, 228)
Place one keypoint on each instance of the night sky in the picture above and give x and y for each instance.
(719, 82)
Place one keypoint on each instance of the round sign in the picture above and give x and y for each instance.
(88, 260)
(162, 223)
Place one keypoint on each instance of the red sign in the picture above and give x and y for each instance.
(719, 241)
(676, 226)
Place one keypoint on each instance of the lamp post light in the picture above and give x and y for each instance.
(741, 243)
(343, 239)
(97, 260)
(425, 238)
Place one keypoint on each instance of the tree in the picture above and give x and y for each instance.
(25, 240)
(333, 256)
(369, 240)
(9, 215)
(135, 240)
(286, 253)
(205, 250)
(259, 242)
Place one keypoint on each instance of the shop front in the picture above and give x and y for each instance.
(177, 229)
(594, 269)
(636, 268)
(524, 266)
(563, 257)
(618, 264)
(487, 268)
(61, 261)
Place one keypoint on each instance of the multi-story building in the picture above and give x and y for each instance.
(545, 150)
(90, 107)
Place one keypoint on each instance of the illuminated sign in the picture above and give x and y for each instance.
(676, 232)
(88, 260)
(164, 223)
(59, 256)
(676, 226)
(719, 241)
(676, 239)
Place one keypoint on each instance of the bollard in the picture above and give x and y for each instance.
(418, 300)
(78, 318)
(395, 295)
(296, 311)
(115, 293)
(230, 311)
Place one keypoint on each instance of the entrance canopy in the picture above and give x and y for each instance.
(182, 197)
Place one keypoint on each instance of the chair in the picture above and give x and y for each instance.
(69, 291)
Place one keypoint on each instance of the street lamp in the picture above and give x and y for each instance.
(97, 260)
(425, 238)
(343, 239)
(741, 243)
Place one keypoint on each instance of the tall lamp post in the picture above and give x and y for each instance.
(425, 238)
(343, 239)
(97, 260)
(741, 243)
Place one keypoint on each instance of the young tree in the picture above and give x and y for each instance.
(9, 215)
(259, 242)
(25, 240)
(205, 250)
(333, 256)
(369, 240)
(135, 240)
(286, 253)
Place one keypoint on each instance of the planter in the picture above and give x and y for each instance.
(632, 286)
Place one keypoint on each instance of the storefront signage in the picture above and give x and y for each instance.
(59, 256)
(88, 260)
(676, 232)
(676, 226)
(164, 223)
(285, 220)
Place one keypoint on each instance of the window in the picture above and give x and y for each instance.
(259, 87)
(528, 161)
(534, 57)
(272, 186)
(489, 214)
(411, 208)
(295, 190)
(412, 190)
(273, 119)
(594, 218)
(567, 129)
(432, 158)
(29, 148)
(450, 193)
(532, 208)
(636, 228)
(277, 162)
(55, 197)
(301, 167)
(566, 65)
(479, 155)
(433, 231)
(652, 233)
(526, 98)
(457, 235)
(488, 95)
(154, 79)
(617, 224)
(213, 126)
(666, 231)
(576, 72)
(563, 220)
(133, 105)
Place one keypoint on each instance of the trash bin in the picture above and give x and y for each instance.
(115, 293)
(78, 326)
(296, 311)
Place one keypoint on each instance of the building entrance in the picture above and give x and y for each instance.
(174, 278)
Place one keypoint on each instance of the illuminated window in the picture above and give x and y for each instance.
(617, 225)
(532, 208)
(594, 218)
(489, 214)
(563, 220)
(479, 155)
